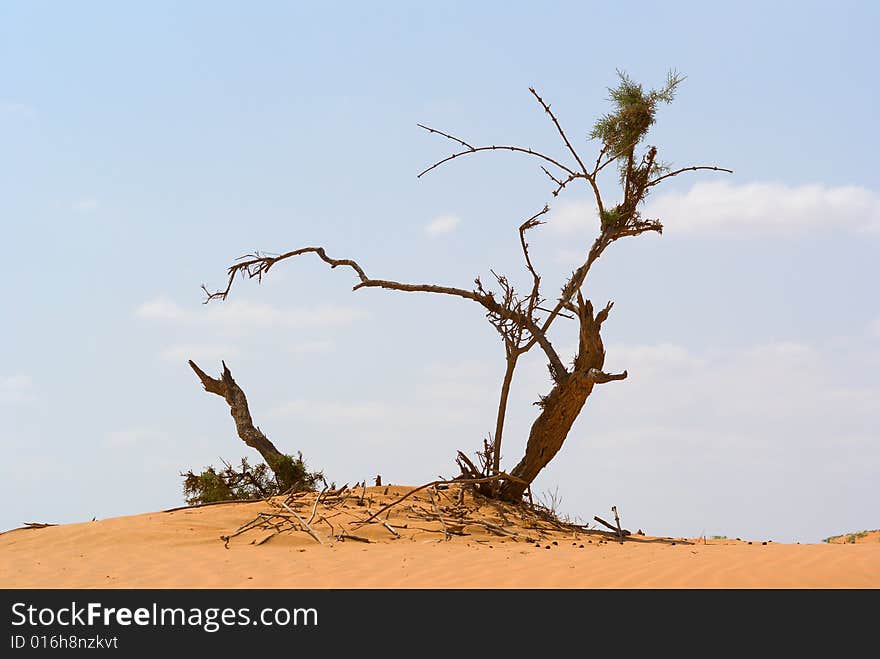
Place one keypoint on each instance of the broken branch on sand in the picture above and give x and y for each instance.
(305, 526)
(439, 516)
(460, 481)
(620, 533)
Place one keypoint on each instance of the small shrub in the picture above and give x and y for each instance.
(249, 482)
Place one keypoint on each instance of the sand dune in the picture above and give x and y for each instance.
(407, 548)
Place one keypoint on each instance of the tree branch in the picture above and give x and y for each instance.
(487, 301)
(531, 223)
(494, 147)
(561, 132)
(687, 169)
(553, 178)
(600, 377)
(446, 135)
(256, 266)
(602, 316)
(228, 389)
(564, 183)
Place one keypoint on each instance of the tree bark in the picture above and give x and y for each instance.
(563, 404)
(502, 411)
(281, 464)
(560, 409)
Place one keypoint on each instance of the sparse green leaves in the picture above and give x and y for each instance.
(249, 482)
(610, 219)
(634, 113)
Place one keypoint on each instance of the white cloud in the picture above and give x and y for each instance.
(85, 205)
(198, 352)
(242, 314)
(766, 207)
(16, 388)
(789, 352)
(160, 308)
(442, 224)
(752, 207)
(462, 383)
(875, 326)
(663, 357)
(16, 109)
(772, 392)
(573, 217)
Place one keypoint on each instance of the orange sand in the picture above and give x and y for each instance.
(183, 549)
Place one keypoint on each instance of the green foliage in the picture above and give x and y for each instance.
(610, 218)
(848, 539)
(292, 474)
(249, 482)
(620, 131)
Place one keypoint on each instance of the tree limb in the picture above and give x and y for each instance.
(257, 265)
(495, 147)
(227, 388)
(561, 132)
(600, 377)
(687, 169)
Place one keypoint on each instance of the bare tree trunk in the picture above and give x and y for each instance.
(562, 405)
(502, 411)
(560, 409)
(279, 463)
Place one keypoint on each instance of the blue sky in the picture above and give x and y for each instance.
(146, 147)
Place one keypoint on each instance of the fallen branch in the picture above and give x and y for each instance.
(212, 503)
(390, 528)
(343, 536)
(499, 530)
(306, 527)
(315, 508)
(610, 526)
(439, 516)
(247, 526)
(461, 481)
(617, 521)
(37, 525)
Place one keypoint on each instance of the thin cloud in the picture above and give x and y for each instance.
(664, 357)
(766, 208)
(16, 389)
(784, 383)
(85, 205)
(750, 208)
(160, 308)
(198, 353)
(16, 109)
(442, 224)
(569, 217)
(242, 314)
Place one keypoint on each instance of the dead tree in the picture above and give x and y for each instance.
(285, 469)
(524, 320)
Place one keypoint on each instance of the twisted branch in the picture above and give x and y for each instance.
(258, 265)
